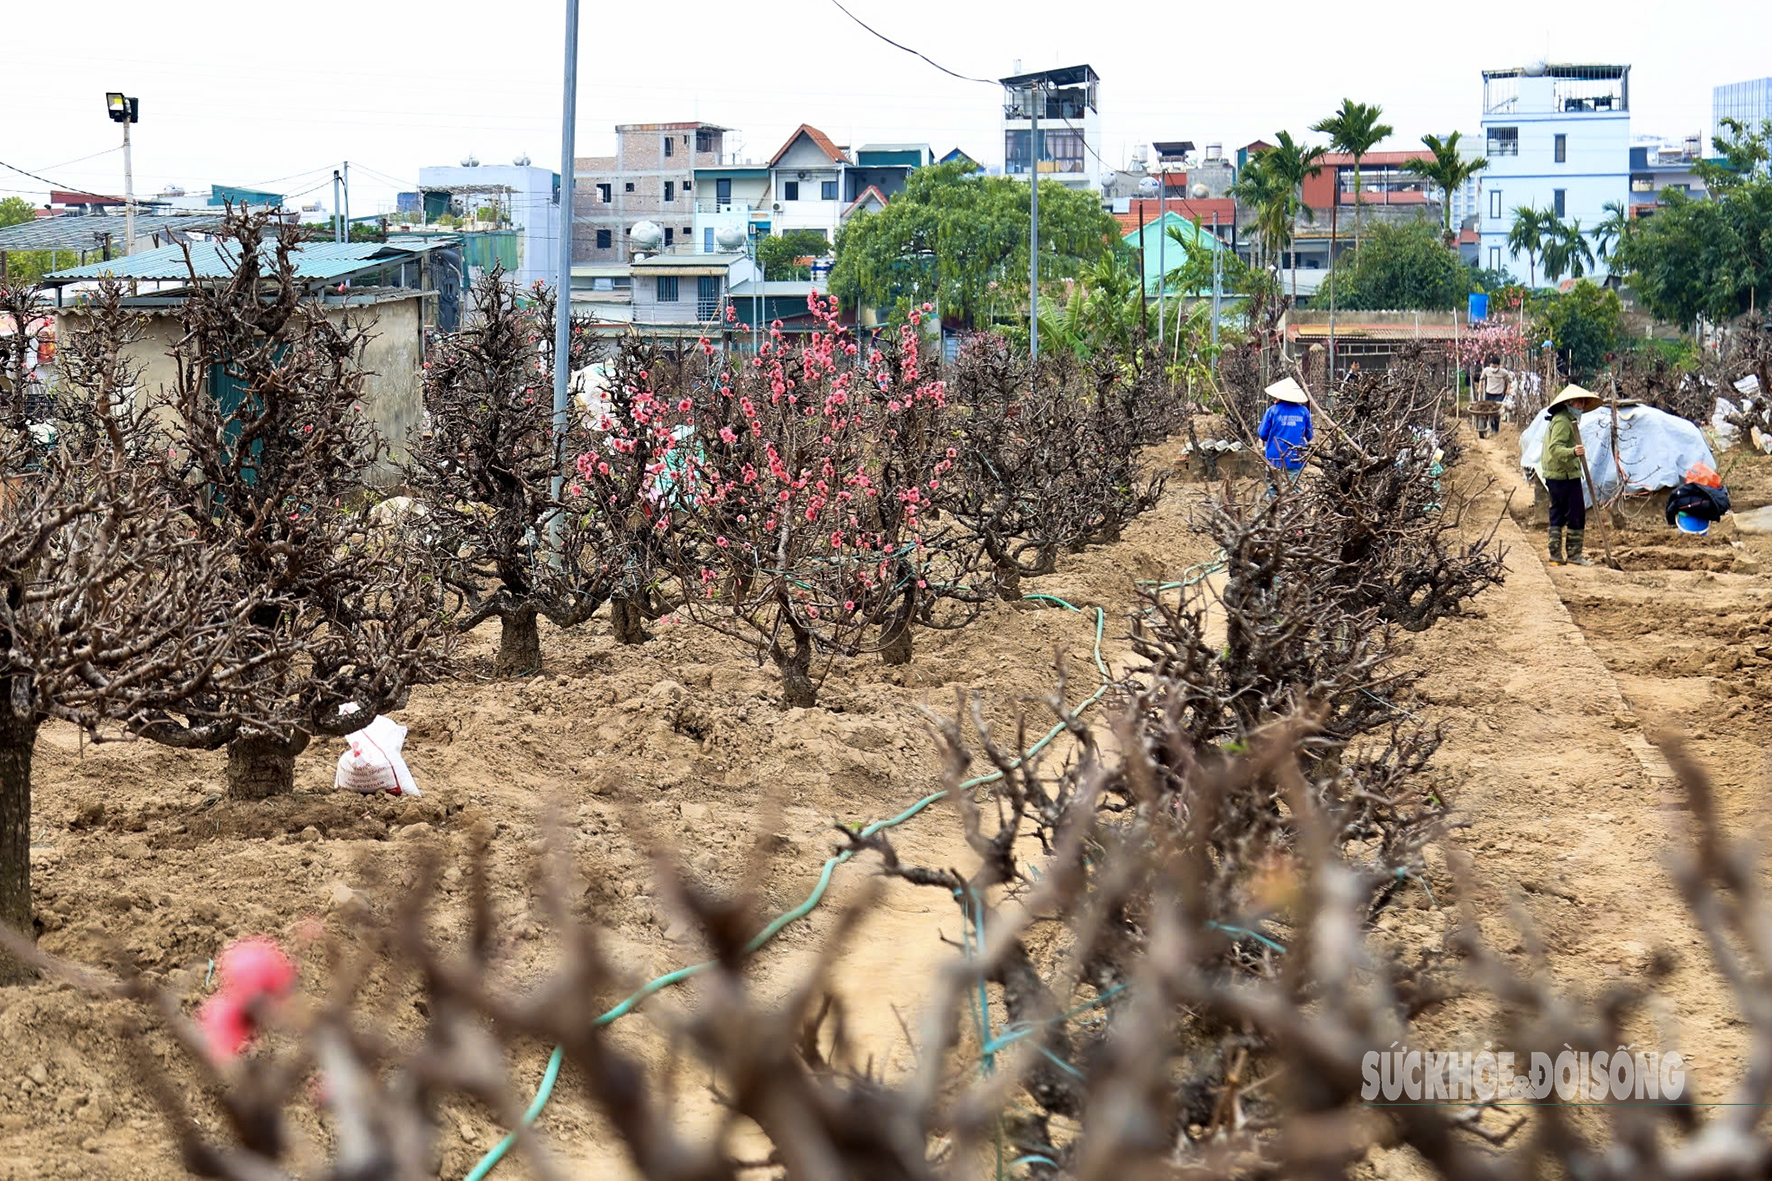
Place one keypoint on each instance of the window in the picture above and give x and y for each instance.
(1064, 149)
(670, 235)
(707, 297)
(1557, 200)
(790, 190)
(827, 190)
(670, 190)
(669, 145)
(704, 141)
(1504, 141)
(707, 239)
(605, 239)
(1642, 184)
(685, 186)
(723, 191)
(1495, 258)
(1015, 151)
(628, 188)
(667, 287)
(1495, 203)
(1562, 149)
(689, 233)
(604, 191)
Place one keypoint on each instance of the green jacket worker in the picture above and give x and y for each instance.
(1561, 467)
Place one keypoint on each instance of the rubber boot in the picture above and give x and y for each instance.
(1572, 539)
(1556, 545)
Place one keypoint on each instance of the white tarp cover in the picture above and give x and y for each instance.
(1655, 448)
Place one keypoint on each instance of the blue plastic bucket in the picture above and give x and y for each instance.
(1690, 524)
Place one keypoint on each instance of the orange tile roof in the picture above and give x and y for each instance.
(819, 138)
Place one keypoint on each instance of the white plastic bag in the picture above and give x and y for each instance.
(373, 762)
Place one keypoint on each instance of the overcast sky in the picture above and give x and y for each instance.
(275, 95)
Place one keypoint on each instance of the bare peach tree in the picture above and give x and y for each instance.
(262, 442)
(487, 472)
(112, 615)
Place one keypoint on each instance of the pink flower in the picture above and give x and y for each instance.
(256, 967)
(722, 542)
(226, 1026)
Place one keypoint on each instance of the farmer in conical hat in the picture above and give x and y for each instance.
(1286, 428)
(1562, 474)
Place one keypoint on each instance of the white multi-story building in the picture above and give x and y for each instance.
(1748, 103)
(1557, 138)
(527, 196)
(1069, 141)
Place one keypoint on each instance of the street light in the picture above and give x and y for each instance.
(125, 110)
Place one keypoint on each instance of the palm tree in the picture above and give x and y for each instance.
(1527, 236)
(1446, 169)
(1261, 188)
(1566, 251)
(1354, 128)
(1612, 231)
(1291, 164)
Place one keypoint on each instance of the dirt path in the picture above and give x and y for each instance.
(1570, 808)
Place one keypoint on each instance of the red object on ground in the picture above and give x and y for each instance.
(1704, 473)
(253, 968)
(226, 1026)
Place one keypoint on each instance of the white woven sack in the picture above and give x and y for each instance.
(373, 763)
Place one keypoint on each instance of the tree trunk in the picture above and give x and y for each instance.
(263, 765)
(895, 637)
(1357, 203)
(626, 621)
(797, 687)
(17, 741)
(1008, 580)
(519, 645)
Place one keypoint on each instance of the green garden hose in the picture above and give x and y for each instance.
(552, 1073)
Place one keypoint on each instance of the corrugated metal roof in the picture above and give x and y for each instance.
(218, 260)
(86, 232)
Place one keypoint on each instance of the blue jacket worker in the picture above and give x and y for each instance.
(1286, 429)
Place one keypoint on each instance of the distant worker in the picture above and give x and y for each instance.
(1561, 468)
(1286, 429)
(1496, 383)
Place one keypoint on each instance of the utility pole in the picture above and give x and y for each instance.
(347, 181)
(1217, 275)
(563, 278)
(1034, 222)
(125, 110)
(1162, 253)
(335, 206)
(128, 196)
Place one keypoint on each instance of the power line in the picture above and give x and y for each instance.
(83, 159)
(57, 184)
(909, 50)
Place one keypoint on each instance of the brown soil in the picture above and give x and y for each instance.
(138, 853)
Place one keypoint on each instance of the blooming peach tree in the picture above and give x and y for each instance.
(794, 491)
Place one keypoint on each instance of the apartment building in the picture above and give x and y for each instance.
(1557, 137)
(651, 177)
(1064, 102)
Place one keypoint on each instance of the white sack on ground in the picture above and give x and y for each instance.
(1655, 447)
(373, 763)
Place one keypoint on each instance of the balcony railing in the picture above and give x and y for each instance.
(723, 207)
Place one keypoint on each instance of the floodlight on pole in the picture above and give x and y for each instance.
(126, 110)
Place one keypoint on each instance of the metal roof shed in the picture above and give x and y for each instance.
(316, 261)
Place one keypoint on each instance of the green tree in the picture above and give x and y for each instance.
(1289, 164)
(1447, 169)
(24, 266)
(959, 239)
(1527, 235)
(1402, 268)
(1613, 229)
(1101, 313)
(1710, 257)
(1585, 323)
(1354, 128)
(1262, 189)
(1566, 250)
(779, 254)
